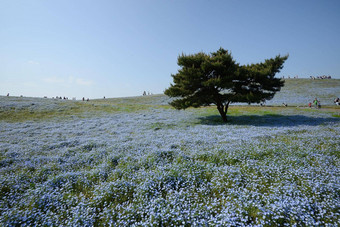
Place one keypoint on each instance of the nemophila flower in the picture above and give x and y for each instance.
(161, 167)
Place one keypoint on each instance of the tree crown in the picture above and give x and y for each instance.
(217, 79)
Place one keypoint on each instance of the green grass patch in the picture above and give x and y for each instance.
(70, 109)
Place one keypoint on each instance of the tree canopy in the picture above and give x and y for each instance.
(205, 79)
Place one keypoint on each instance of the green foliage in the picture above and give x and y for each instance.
(217, 79)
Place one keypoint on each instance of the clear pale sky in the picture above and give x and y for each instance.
(82, 48)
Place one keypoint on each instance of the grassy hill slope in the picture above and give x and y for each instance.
(302, 91)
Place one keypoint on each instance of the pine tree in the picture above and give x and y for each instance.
(217, 79)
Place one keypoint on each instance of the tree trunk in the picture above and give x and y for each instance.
(223, 111)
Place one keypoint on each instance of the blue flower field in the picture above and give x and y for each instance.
(138, 162)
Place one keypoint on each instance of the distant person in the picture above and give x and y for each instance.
(315, 102)
(337, 101)
(310, 105)
(263, 102)
(7, 94)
